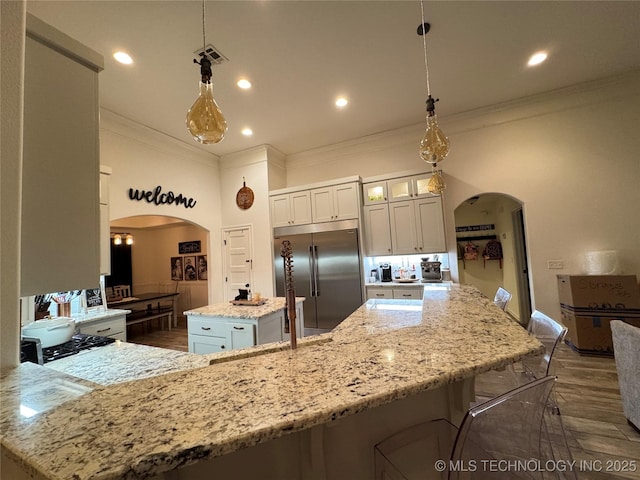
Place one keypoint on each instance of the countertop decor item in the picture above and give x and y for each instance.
(205, 120)
(244, 197)
(50, 332)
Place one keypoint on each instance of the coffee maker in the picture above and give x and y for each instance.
(431, 270)
(385, 273)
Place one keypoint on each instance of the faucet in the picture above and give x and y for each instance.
(290, 294)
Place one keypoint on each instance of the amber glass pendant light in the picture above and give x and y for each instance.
(205, 120)
(434, 146)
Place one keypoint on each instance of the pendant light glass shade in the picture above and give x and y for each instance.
(434, 146)
(204, 119)
(436, 183)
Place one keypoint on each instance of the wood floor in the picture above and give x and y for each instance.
(600, 440)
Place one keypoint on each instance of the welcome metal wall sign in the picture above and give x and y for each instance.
(157, 197)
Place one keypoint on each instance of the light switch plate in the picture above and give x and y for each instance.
(555, 264)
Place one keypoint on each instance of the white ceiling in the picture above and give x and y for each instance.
(301, 54)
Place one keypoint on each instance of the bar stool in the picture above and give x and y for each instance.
(502, 298)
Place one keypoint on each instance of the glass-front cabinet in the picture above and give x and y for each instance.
(408, 188)
(375, 192)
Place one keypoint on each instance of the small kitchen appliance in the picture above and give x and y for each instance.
(431, 271)
(385, 273)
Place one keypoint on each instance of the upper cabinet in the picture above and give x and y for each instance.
(339, 202)
(60, 225)
(375, 192)
(417, 226)
(105, 231)
(290, 209)
(408, 188)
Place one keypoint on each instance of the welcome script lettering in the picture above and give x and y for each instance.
(158, 198)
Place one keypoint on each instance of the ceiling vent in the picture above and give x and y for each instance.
(214, 55)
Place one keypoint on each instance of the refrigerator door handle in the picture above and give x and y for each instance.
(312, 272)
(315, 270)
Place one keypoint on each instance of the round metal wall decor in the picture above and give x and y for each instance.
(244, 197)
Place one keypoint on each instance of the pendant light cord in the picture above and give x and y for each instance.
(424, 43)
(204, 42)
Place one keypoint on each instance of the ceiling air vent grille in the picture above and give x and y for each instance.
(215, 56)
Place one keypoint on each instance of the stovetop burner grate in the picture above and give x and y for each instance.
(78, 342)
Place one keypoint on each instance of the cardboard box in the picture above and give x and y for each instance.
(599, 291)
(590, 330)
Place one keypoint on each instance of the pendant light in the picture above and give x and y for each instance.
(204, 119)
(434, 146)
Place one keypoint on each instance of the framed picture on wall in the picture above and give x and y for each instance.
(190, 272)
(202, 267)
(177, 273)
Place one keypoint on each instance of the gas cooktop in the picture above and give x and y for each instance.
(78, 342)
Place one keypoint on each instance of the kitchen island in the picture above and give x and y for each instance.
(312, 413)
(223, 326)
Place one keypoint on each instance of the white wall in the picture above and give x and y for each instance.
(141, 158)
(570, 156)
(254, 166)
(12, 28)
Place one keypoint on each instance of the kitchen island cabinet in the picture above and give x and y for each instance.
(223, 326)
(390, 364)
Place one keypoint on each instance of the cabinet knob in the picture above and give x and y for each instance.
(222, 347)
(388, 249)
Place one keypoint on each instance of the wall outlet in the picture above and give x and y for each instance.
(555, 264)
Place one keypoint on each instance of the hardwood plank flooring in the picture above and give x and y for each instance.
(587, 392)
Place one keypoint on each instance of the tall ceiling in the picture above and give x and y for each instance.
(300, 55)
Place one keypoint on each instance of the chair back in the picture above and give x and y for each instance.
(122, 291)
(502, 298)
(506, 429)
(551, 334)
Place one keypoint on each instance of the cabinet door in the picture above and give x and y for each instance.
(202, 344)
(400, 189)
(375, 192)
(110, 327)
(322, 205)
(345, 201)
(241, 335)
(430, 225)
(60, 247)
(379, 293)
(377, 230)
(403, 228)
(280, 211)
(300, 205)
(420, 183)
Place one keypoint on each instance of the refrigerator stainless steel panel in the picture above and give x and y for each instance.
(326, 271)
(337, 270)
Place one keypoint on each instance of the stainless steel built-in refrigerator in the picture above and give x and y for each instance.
(326, 270)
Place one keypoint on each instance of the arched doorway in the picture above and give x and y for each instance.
(151, 259)
(486, 218)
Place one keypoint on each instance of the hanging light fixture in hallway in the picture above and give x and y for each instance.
(204, 119)
(434, 146)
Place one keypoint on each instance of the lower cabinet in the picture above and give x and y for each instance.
(211, 334)
(114, 327)
(406, 293)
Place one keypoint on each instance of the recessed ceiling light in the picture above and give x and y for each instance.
(247, 132)
(341, 102)
(244, 84)
(123, 57)
(537, 58)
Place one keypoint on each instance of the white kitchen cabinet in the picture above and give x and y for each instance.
(374, 192)
(105, 231)
(417, 226)
(338, 202)
(241, 335)
(114, 327)
(60, 219)
(413, 292)
(407, 188)
(290, 209)
(377, 230)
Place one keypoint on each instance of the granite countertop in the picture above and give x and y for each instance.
(99, 315)
(417, 283)
(386, 350)
(228, 310)
(122, 362)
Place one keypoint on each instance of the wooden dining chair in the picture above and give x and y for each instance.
(122, 291)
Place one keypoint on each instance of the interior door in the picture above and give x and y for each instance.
(237, 260)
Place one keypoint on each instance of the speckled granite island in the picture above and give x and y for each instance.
(312, 413)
